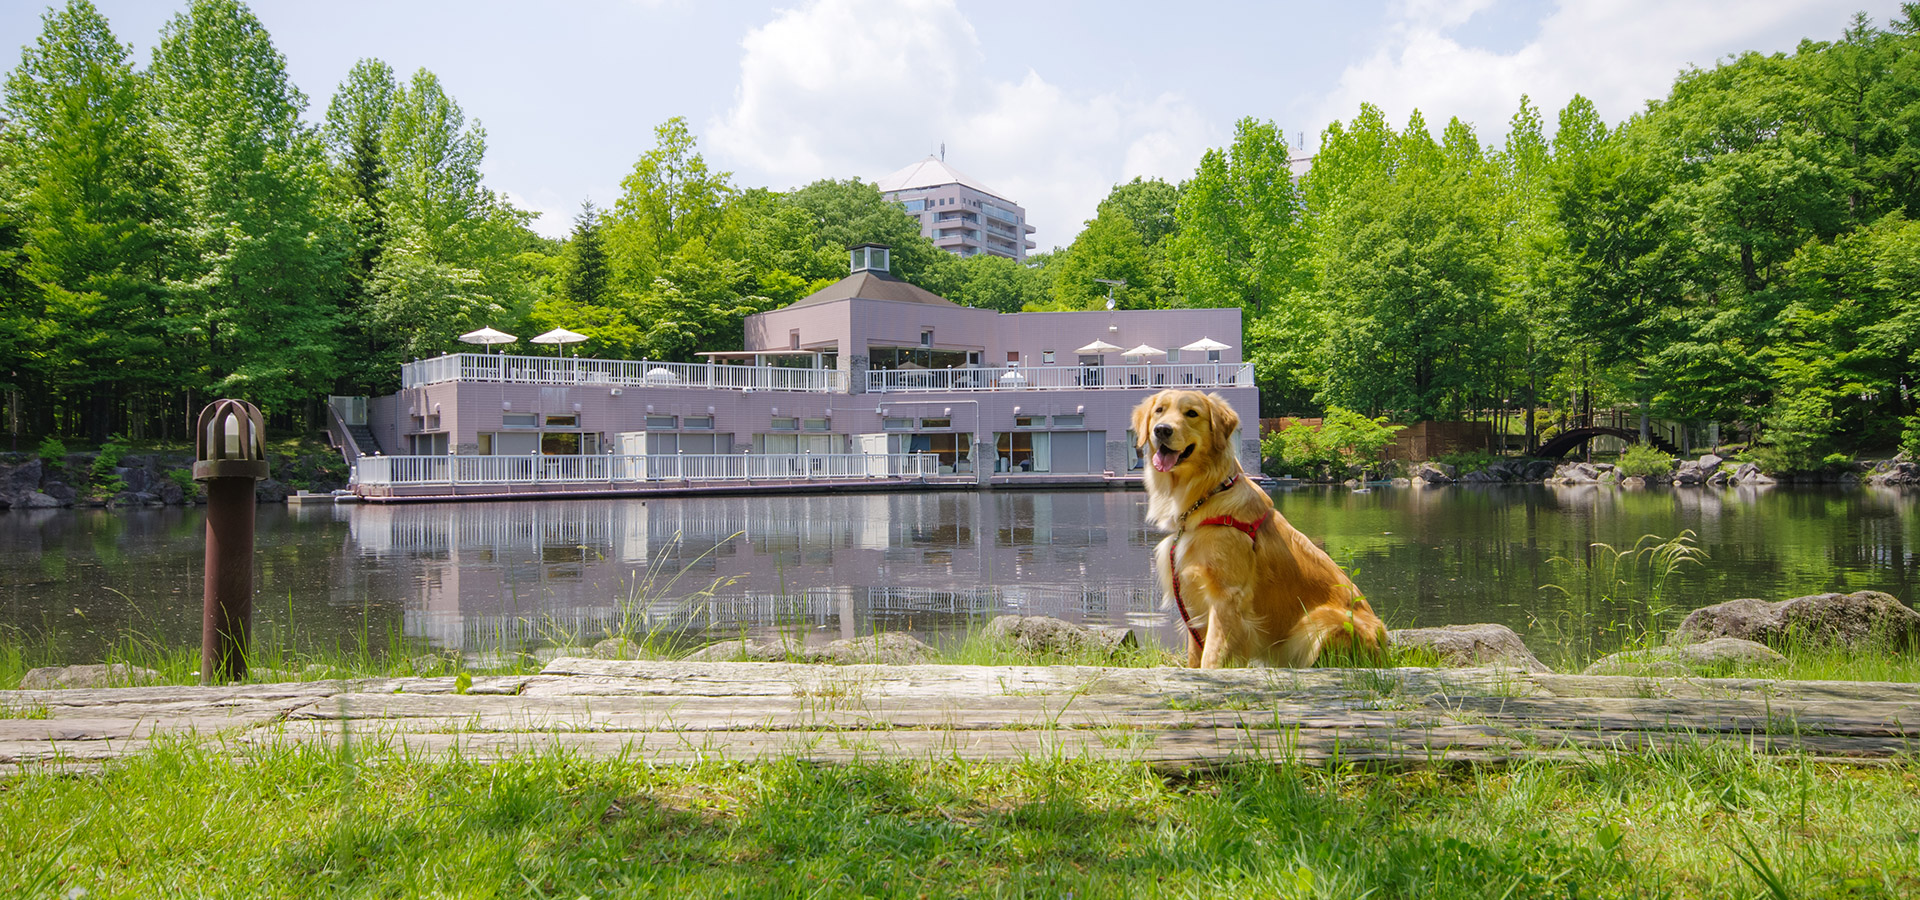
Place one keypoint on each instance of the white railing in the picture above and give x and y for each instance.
(617, 373)
(1056, 378)
(451, 470)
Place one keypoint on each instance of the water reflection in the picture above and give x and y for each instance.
(478, 576)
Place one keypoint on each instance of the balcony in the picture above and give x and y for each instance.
(548, 370)
(1062, 378)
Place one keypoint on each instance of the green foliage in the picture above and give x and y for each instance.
(52, 451)
(1634, 581)
(1644, 461)
(1910, 437)
(101, 475)
(1466, 461)
(1344, 440)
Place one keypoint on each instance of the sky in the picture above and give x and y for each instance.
(1049, 102)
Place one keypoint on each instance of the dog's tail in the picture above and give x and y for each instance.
(1348, 631)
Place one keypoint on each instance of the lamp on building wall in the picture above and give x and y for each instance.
(709, 410)
(1081, 408)
(1016, 410)
(506, 405)
(649, 407)
(576, 407)
(947, 412)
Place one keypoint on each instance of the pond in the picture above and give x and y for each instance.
(476, 577)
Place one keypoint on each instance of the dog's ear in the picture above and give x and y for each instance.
(1142, 414)
(1225, 420)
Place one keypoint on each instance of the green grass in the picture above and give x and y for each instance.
(1696, 822)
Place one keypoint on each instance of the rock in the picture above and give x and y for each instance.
(1471, 645)
(1633, 481)
(887, 648)
(1402, 482)
(1046, 634)
(1718, 478)
(1433, 473)
(270, 491)
(38, 500)
(90, 676)
(134, 478)
(1710, 462)
(622, 648)
(1540, 469)
(1663, 661)
(20, 480)
(1852, 620)
(1638, 663)
(749, 650)
(1483, 476)
(1749, 473)
(124, 499)
(61, 492)
(171, 493)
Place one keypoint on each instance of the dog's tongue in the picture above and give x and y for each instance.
(1164, 460)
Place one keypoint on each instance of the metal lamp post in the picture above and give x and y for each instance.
(230, 455)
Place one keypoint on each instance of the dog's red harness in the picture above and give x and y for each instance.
(1252, 530)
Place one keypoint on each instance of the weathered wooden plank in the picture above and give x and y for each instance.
(1625, 686)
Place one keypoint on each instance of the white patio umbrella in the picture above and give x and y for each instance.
(1097, 347)
(561, 337)
(1144, 350)
(487, 336)
(1207, 345)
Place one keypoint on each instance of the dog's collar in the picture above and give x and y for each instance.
(1210, 495)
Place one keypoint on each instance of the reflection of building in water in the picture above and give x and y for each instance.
(543, 572)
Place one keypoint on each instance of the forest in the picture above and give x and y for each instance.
(1740, 253)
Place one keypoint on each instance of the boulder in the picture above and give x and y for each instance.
(1681, 659)
(887, 648)
(1633, 481)
(1851, 620)
(90, 676)
(61, 492)
(750, 650)
(1481, 476)
(20, 480)
(1433, 473)
(1471, 645)
(171, 493)
(1718, 478)
(1540, 469)
(1894, 472)
(269, 490)
(1749, 473)
(38, 500)
(890, 648)
(1046, 634)
(622, 648)
(1710, 462)
(136, 479)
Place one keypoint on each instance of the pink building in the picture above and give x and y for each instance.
(960, 215)
(869, 367)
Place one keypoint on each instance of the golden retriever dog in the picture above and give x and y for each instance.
(1248, 586)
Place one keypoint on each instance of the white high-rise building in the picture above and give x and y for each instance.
(961, 215)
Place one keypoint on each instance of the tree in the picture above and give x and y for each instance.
(354, 129)
(96, 210)
(454, 257)
(1107, 249)
(1239, 241)
(263, 254)
(584, 277)
(670, 198)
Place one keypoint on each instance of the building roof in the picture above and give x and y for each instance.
(868, 284)
(931, 172)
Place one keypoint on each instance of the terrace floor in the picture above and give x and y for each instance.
(1170, 717)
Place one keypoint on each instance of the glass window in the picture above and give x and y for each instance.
(1173, 356)
(485, 441)
(814, 424)
(561, 444)
(1029, 421)
(1069, 421)
(926, 338)
(897, 424)
(1046, 357)
(786, 423)
(518, 420)
(563, 421)
(936, 423)
(654, 422)
(697, 422)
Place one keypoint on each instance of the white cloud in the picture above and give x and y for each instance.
(843, 88)
(1618, 53)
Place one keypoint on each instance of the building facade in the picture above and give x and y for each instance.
(960, 215)
(870, 366)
